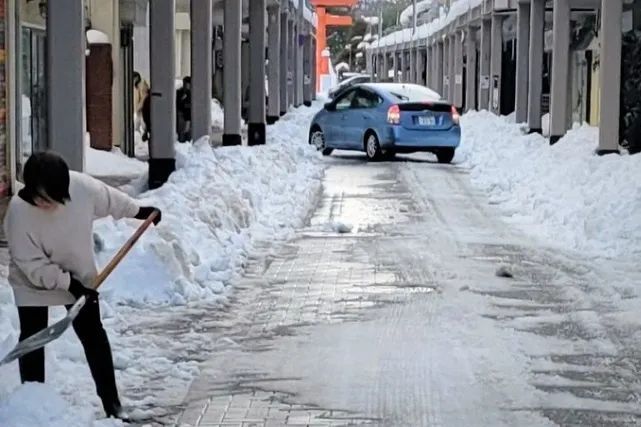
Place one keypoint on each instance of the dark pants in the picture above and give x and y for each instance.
(93, 337)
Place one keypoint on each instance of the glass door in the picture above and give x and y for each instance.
(33, 96)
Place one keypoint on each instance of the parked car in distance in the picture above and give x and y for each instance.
(347, 83)
(383, 119)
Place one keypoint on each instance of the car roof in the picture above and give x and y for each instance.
(352, 78)
(403, 89)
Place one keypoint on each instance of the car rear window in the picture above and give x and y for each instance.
(413, 93)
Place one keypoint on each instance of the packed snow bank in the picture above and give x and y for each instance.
(564, 192)
(217, 207)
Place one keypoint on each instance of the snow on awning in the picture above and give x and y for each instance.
(458, 8)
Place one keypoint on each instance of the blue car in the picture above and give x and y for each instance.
(383, 119)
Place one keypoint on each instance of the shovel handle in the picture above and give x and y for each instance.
(124, 250)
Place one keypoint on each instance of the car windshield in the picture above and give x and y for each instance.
(413, 93)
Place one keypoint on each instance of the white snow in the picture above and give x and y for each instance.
(101, 163)
(565, 193)
(217, 207)
(424, 31)
(97, 37)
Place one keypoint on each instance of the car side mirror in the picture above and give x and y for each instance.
(330, 106)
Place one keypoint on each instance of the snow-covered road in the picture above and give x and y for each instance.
(404, 321)
(257, 303)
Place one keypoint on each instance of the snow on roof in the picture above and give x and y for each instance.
(422, 6)
(458, 8)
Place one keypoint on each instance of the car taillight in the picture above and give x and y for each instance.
(394, 115)
(456, 117)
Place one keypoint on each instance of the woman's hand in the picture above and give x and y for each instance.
(78, 290)
(145, 211)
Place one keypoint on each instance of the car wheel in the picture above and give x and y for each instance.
(445, 155)
(372, 147)
(317, 139)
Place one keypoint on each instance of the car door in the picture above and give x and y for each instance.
(334, 133)
(360, 117)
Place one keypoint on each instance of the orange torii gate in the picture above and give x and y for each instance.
(327, 20)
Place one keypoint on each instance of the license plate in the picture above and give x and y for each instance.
(427, 120)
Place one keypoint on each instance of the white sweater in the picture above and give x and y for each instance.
(45, 247)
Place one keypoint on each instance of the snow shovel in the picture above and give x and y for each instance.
(54, 331)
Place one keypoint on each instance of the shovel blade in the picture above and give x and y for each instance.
(44, 337)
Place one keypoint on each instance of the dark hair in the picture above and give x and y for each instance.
(187, 79)
(45, 175)
(137, 78)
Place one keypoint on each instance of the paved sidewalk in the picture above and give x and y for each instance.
(403, 320)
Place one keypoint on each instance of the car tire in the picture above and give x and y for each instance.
(372, 147)
(317, 139)
(445, 155)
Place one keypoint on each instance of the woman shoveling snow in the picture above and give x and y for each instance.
(49, 232)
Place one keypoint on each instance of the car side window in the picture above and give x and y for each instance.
(345, 101)
(366, 99)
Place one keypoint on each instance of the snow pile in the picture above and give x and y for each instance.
(34, 405)
(217, 207)
(217, 115)
(564, 192)
(101, 163)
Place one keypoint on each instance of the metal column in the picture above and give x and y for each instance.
(291, 65)
(273, 36)
(495, 63)
(451, 68)
(298, 54)
(404, 78)
(284, 60)
(439, 75)
(256, 113)
(446, 68)
(413, 69)
(162, 156)
(232, 71)
(313, 59)
(429, 66)
(522, 59)
(201, 67)
(396, 64)
(65, 81)
(535, 73)
(308, 52)
(420, 67)
(458, 69)
(610, 76)
(385, 70)
(470, 69)
(560, 70)
(484, 74)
